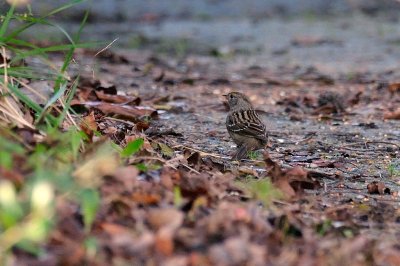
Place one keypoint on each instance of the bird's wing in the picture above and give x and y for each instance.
(246, 123)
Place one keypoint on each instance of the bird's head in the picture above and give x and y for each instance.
(237, 101)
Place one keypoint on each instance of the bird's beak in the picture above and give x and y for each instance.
(224, 95)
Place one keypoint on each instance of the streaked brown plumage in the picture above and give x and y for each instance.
(244, 126)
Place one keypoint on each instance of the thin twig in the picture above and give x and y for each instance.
(383, 142)
(9, 105)
(167, 163)
(120, 120)
(201, 152)
(190, 168)
(16, 117)
(345, 146)
(105, 48)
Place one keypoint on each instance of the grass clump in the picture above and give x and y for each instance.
(39, 155)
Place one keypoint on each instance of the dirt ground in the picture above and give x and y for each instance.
(349, 61)
(330, 101)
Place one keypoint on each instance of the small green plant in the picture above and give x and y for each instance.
(324, 227)
(393, 170)
(142, 167)
(262, 190)
(27, 214)
(254, 155)
(132, 147)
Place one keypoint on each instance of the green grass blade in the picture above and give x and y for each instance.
(68, 102)
(55, 48)
(6, 22)
(28, 72)
(82, 25)
(18, 72)
(55, 97)
(63, 31)
(48, 23)
(68, 57)
(69, 5)
(21, 43)
(28, 25)
(52, 100)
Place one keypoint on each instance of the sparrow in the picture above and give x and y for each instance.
(244, 125)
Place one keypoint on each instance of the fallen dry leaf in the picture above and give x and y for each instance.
(237, 251)
(194, 185)
(330, 102)
(394, 87)
(193, 158)
(377, 188)
(114, 229)
(169, 177)
(164, 243)
(128, 112)
(392, 115)
(165, 222)
(15, 177)
(89, 125)
(128, 176)
(292, 181)
(126, 100)
(168, 217)
(142, 126)
(146, 198)
(387, 256)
